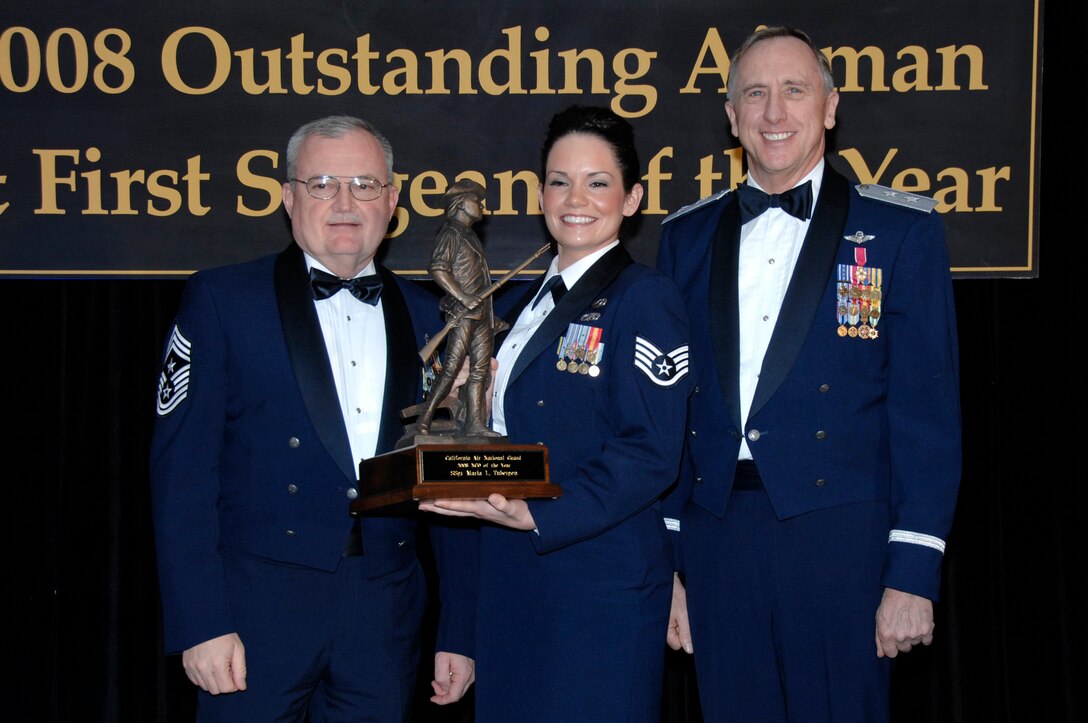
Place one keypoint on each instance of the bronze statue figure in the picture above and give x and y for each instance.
(458, 266)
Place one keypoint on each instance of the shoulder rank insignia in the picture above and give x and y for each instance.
(663, 368)
(174, 377)
(925, 204)
(692, 206)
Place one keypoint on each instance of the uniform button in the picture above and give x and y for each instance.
(824, 388)
(540, 444)
(293, 442)
(698, 480)
(696, 388)
(292, 488)
(540, 402)
(821, 482)
(753, 435)
(821, 434)
(352, 493)
(693, 433)
(290, 533)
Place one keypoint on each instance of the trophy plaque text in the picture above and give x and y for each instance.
(446, 471)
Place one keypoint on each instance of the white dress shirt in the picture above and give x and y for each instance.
(355, 341)
(769, 247)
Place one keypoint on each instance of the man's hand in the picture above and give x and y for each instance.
(496, 508)
(217, 665)
(679, 633)
(453, 676)
(902, 621)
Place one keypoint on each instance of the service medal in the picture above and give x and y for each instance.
(561, 365)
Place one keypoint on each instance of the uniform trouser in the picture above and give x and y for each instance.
(783, 612)
(338, 646)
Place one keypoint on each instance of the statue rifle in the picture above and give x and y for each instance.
(429, 348)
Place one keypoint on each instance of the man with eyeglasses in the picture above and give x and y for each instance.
(279, 376)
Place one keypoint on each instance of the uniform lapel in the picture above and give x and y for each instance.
(593, 281)
(401, 363)
(310, 361)
(723, 312)
(808, 285)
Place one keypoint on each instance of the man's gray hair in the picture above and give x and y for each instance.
(336, 126)
(779, 32)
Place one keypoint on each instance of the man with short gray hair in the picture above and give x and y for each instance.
(823, 449)
(279, 376)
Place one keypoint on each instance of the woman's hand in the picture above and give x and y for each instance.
(496, 508)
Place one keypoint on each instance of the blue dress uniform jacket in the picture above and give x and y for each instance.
(250, 454)
(573, 616)
(835, 420)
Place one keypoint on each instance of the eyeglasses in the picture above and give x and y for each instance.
(326, 187)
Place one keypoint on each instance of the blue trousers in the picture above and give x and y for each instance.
(783, 612)
(337, 646)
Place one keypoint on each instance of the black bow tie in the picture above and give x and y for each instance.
(797, 201)
(367, 289)
(555, 286)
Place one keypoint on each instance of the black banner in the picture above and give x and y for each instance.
(145, 139)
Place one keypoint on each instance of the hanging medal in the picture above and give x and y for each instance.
(842, 305)
(875, 295)
(561, 365)
(593, 340)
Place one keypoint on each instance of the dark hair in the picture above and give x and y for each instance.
(602, 123)
(779, 32)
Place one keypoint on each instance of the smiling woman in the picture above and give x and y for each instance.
(584, 196)
(574, 592)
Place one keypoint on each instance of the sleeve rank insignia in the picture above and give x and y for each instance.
(174, 377)
(663, 368)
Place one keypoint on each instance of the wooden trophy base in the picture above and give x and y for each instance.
(454, 470)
